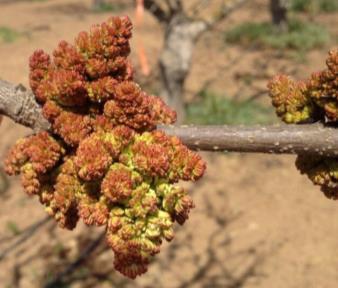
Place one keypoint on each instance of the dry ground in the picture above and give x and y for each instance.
(258, 223)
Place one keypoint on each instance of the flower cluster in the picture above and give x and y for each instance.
(290, 99)
(104, 161)
(311, 100)
(315, 99)
(321, 171)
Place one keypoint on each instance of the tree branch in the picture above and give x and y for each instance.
(283, 139)
(317, 139)
(156, 10)
(175, 5)
(197, 7)
(226, 10)
(19, 104)
(58, 280)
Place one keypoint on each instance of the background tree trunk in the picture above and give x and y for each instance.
(181, 32)
(175, 59)
(278, 9)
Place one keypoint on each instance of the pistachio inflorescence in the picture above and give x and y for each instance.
(312, 100)
(104, 161)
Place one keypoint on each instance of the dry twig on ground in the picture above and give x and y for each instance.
(24, 236)
(59, 279)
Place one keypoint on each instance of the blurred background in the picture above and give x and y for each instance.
(257, 221)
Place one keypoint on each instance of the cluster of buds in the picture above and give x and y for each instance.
(322, 171)
(315, 99)
(104, 161)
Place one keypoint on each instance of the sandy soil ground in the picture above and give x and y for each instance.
(257, 222)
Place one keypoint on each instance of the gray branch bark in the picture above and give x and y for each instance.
(315, 139)
(175, 59)
(19, 104)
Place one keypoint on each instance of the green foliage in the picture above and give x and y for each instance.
(8, 35)
(59, 249)
(300, 35)
(13, 228)
(314, 6)
(216, 110)
(109, 7)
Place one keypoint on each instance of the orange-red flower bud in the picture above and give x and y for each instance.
(92, 158)
(109, 165)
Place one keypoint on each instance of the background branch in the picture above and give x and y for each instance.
(225, 11)
(197, 7)
(284, 139)
(156, 10)
(24, 236)
(58, 280)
